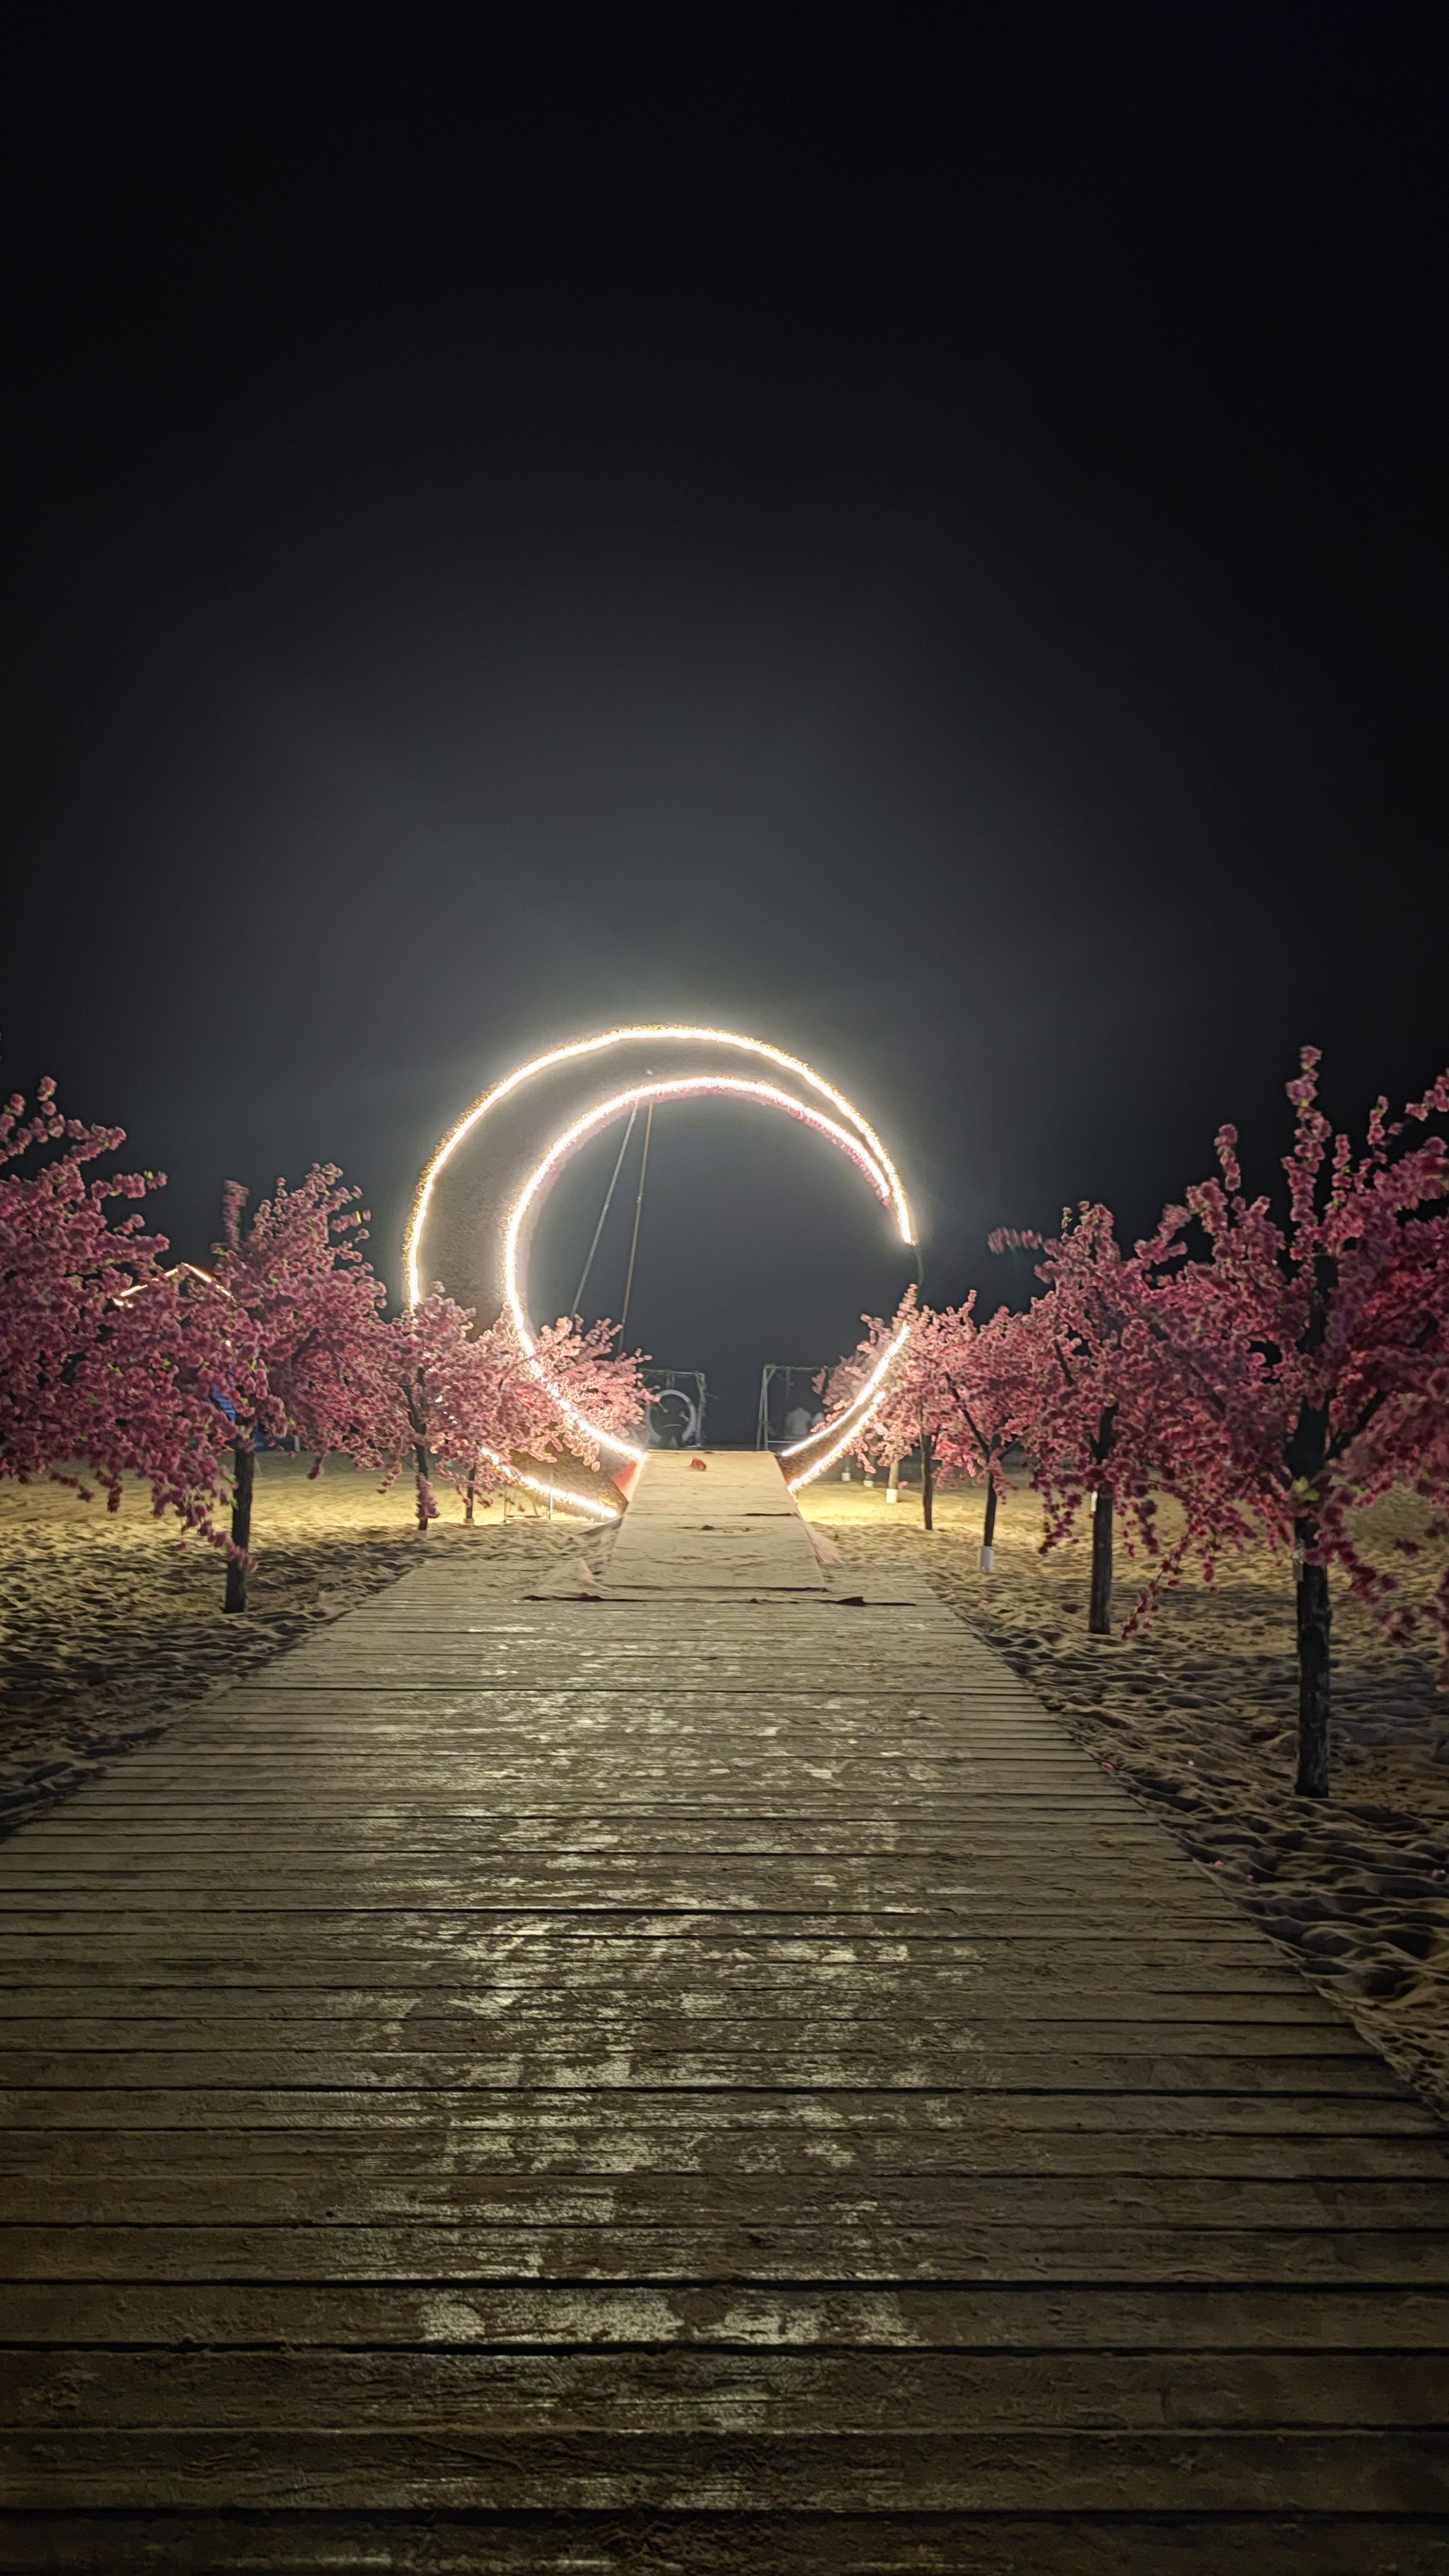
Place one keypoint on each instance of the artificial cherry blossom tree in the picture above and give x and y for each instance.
(603, 1385)
(473, 1403)
(886, 1436)
(297, 1274)
(985, 1387)
(437, 1397)
(1103, 1405)
(1314, 1349)
(109, 1363)
(945, 1395)
(913, 1407)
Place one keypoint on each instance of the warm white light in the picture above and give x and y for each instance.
(412, 1247)
(688, 1086)
(852, 1133)
(857, 1404)
(181, 1269)
(872, 1396)
(598, 1511)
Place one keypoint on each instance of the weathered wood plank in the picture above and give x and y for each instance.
(904, 2110)
(575, 2060)
(774, 2393)
(156, 2011)
(731, 2543)
(699, 2201)
(565, 2065)
(524, 2146)
(876, 2251)
(585, 2020)
(942, 2469)
(571, 2317)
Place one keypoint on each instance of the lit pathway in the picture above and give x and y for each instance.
(704, 2080)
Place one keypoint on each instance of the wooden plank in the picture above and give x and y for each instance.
(351, 2158)
(575, 2062)
(773, 2393)
(1100, 2319)
(702, 2200)
(869, 2252)
(700, 2057)
(905, 2109)
(851, 1993)
(731, 2543)
(942, 2469)
(995, 2050)
(417, 2023)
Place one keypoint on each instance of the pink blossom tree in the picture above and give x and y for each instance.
(473, 1403)
(1315, 1349)
(985, 1382)
(435, 1395)
(963, 1393)
(297, 1274)
(1103, 1405)
(914, 1405)
(941, 1396)
(109, 1362)
(597, 1381)
(603, 1383)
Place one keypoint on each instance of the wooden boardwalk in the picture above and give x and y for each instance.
(704, 2079)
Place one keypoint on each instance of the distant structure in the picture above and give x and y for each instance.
(790, 1406)
(677, 1402)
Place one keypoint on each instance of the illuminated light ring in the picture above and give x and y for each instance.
(850, 1117)
(552, 1493)
(686, 1087)
(852, 1421)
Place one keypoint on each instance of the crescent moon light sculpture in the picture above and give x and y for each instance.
(846, 1129)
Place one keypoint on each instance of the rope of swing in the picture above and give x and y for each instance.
(638, 1212)
(578, 1304)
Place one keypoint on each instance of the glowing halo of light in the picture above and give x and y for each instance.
(685, 1087)
(581, 1047)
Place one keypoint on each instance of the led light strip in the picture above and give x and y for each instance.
(553, 1493)
(180, 1270)
(850, 1131)
(852, 1421)
(688, 1086)
(412, 1245)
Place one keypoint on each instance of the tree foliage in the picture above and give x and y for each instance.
(110, 1364)
(1270, 1372)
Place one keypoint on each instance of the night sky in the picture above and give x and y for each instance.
(916, 533)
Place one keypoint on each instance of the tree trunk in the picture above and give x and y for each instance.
(244, 1461)
(468, 1497)
(1099, 1613)
(893, 1481)
(425, 1478)
(1315, 1619)
(928, 1482)
(987, 1557)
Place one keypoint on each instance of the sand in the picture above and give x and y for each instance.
(111, 1624)
(1197, 1717)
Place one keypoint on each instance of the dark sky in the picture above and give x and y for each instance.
(918, 533)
